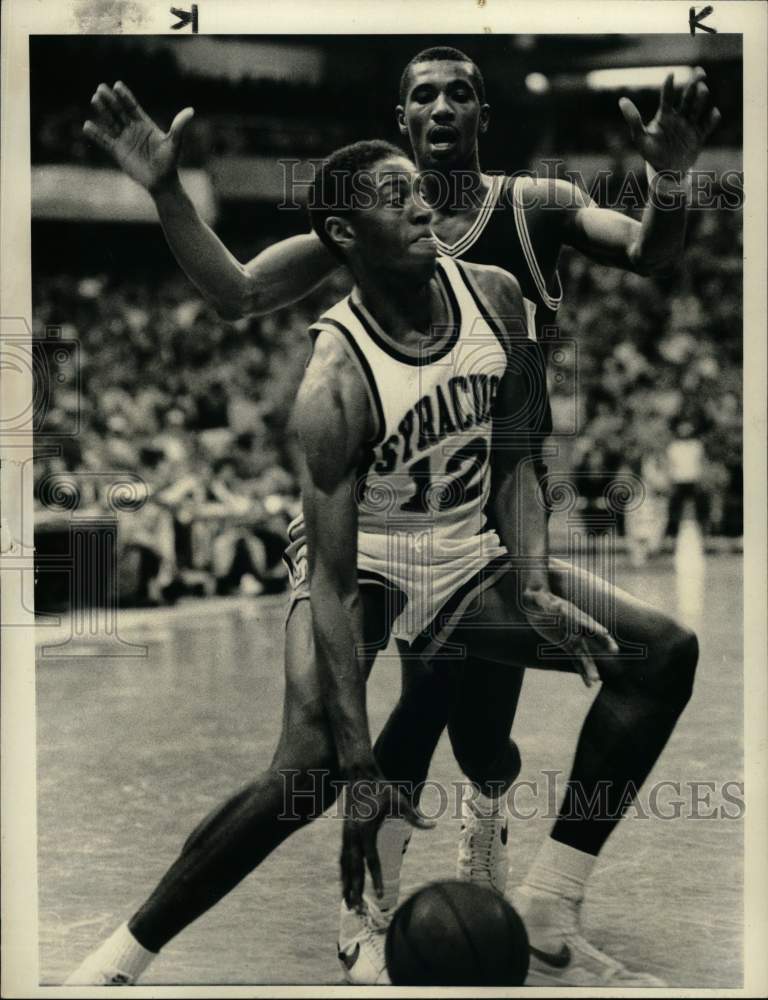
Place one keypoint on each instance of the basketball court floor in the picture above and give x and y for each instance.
(135, 749)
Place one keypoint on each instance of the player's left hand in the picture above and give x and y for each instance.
(673, 138)
(367, 803)
(577, 634)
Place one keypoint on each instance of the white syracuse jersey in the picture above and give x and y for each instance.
(424, 483)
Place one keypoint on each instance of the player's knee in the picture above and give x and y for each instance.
(495, 766)
(674, 662)
(682, 660)
(666, 674)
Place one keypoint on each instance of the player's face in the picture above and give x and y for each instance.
(393, 234)
(442, 114)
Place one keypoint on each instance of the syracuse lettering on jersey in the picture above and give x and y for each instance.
(461, 403)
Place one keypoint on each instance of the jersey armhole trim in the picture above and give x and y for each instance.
(521, 224)
(338, 330)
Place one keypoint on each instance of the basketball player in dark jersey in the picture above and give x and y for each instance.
(444, 111)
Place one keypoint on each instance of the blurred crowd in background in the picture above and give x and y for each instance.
(658, 385)
(197, 408)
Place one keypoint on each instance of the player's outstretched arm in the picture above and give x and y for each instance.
(670, 145)
(334, 421)
(278, 276)
(518, 506)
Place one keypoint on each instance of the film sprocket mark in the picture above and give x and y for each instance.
(186, 17)
(695, 20)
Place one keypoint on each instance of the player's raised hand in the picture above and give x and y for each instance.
(569, 628)
(124, 130)
(673, 138)
(367, 803)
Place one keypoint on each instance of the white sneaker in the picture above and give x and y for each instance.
(92, 972)
(118, 961)
(483, 848)
(561, 955)
(361, 945)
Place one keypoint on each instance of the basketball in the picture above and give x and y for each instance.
(456, 934)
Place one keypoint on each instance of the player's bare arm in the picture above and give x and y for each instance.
(519, 510)
(277, 277)
(334, 421)
(670, 145)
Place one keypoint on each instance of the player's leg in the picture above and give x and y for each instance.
(412, 731)
(300, 783)
(431, 695)
(238, 834)
(479, 729)
(642, 695)
(643, 692)
(404, 751)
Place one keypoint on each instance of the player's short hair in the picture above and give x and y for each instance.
(331, 190)
(443, 53)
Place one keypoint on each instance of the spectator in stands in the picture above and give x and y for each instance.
(246, 551)
(685, 456)
(147, 555)
(646, 523)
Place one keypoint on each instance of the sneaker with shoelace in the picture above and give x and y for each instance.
(361, 945)
(560, 954)
(483, 847)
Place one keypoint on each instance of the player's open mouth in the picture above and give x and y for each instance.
(442, 136)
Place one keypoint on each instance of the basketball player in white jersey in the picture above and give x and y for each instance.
(408, 364)
(443, 111)
(424, 359)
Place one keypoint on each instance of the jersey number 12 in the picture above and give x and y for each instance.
(461, 483)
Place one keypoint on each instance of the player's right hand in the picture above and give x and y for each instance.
(367, 803)
(569, 628)
(124, 130)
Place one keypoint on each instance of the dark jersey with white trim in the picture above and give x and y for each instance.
(510, 233)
